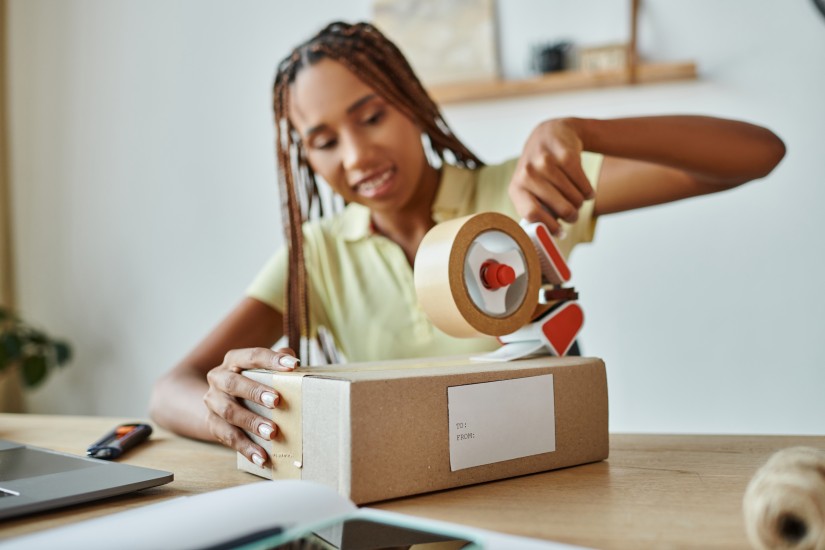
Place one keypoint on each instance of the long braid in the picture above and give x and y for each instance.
(290, 213)
(375, 60)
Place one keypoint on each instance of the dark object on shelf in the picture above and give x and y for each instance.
(548, 58)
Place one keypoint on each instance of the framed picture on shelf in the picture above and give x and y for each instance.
(612, 57)
(445, 41)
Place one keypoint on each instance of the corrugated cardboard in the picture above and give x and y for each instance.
(375, 431)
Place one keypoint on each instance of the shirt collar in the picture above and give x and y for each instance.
(453, 192)
(453, 187)
(356, 223)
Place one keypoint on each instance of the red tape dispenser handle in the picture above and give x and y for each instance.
(556, 329)
(553, 267)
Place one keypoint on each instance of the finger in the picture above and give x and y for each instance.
(234, 438)
(548, 179)
(532, 210)
(237, 415)
(554, 201)
(544, 196)
(229, 382)
(259, 358)
(571, 164)
(287, 356)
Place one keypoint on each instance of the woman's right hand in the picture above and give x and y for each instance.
(549, 183)
(228, 418)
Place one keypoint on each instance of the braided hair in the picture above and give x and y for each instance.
(376, 61)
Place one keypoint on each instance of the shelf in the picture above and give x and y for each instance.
(645, 73)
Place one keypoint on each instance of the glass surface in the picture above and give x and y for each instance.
(360, 534)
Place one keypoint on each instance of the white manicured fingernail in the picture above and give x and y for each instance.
(561, 234)
(265, 430)
(258, 460)
(288, 361)
(268, 399)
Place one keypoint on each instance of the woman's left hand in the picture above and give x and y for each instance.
(549, 183)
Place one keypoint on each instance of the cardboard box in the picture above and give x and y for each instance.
(375, 431)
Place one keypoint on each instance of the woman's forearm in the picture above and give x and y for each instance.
(177, 404)
(728, 152)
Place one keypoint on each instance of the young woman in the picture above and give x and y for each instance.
(349, 109)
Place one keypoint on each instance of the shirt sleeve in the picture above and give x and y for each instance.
(269, 286)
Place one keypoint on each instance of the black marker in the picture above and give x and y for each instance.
(119, 440)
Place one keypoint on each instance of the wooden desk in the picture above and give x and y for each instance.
(654, 491)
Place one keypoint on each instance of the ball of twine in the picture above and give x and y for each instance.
(784, 504)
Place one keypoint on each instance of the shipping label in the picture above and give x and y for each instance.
(495, 421)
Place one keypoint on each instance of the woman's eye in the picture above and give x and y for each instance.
(327, 144)
(374, 118)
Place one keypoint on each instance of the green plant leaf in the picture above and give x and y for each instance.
(34, 369)
(10, 346)
(30, 349)
(38, 337)
(62, 352)
(7, 314)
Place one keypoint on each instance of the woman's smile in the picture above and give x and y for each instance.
(376, 185)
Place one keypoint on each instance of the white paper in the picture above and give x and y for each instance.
(198, 521)
(496, 421)
(208, 519)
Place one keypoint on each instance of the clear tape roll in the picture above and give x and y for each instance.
(450, 276)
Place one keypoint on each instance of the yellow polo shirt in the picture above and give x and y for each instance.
(361, 286)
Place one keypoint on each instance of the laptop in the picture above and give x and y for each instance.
(33, 479)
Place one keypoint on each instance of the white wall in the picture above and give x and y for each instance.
(145, 196)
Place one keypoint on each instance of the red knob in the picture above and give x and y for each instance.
(495, 275)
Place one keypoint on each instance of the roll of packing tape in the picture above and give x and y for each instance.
(477, 275)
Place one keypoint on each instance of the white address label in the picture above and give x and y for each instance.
(503, 420)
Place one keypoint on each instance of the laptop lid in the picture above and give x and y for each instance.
(33, 479)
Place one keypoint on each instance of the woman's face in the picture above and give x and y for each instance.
(359, 143)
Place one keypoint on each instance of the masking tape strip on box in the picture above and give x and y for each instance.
(286, 449)
(287, 446)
